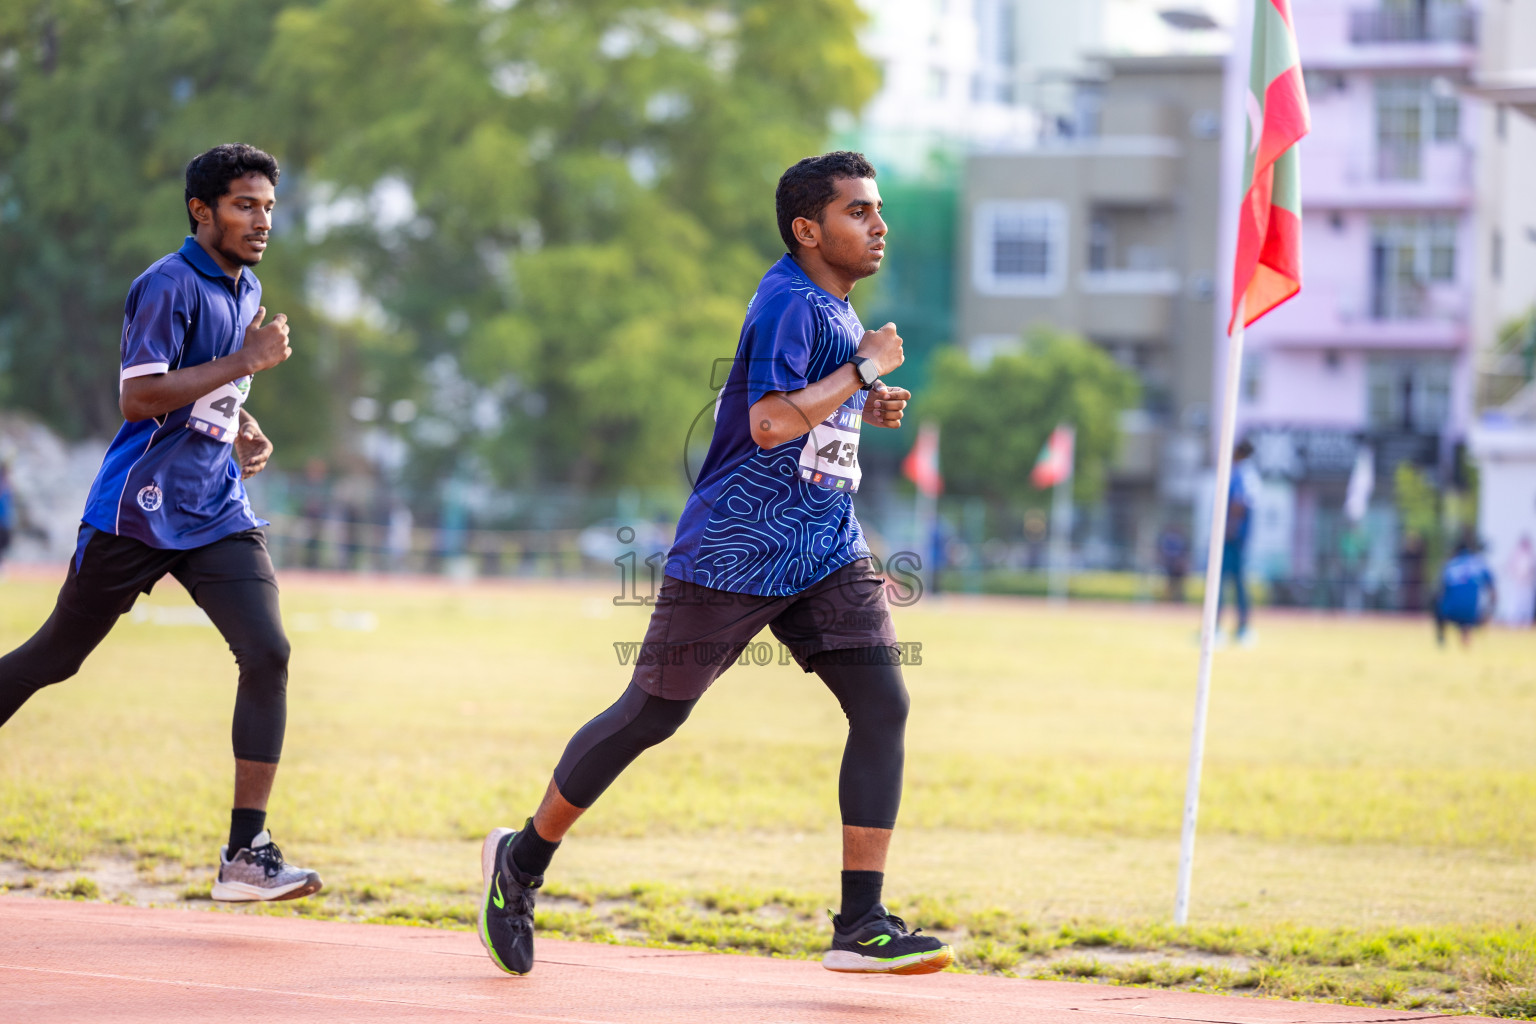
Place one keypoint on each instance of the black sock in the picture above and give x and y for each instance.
(861, 891)
(245, 824)
(531, 852)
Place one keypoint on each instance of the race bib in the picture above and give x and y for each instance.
(217, 413)
(830, 457)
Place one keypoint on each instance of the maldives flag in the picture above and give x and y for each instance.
(1055, 462)
(921, 465)
(1268, 267)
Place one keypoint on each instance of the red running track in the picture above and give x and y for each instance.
(84, 963)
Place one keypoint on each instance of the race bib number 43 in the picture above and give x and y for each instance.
(830, 457)
(217, 413)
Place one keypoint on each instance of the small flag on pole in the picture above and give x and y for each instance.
(1055, 462)
(921, 465)
(1268, 269)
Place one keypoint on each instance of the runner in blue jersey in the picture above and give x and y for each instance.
(769, 538)
(169, 497)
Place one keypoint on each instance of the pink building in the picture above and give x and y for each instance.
(1376, 353)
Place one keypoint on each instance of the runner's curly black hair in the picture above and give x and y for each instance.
(209, 174)
(807, 187)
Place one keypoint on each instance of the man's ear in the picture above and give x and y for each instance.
(201, 211)
(807, 232)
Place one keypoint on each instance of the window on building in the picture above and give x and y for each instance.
(1441, 233)
(1101, 244)
(1408, 255)
(1408, 394)
(1252, 384)
(1400, 127)
(1447, 114)
(1020, 247)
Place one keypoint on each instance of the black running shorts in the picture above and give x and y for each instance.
(696, 633)
(108, 573)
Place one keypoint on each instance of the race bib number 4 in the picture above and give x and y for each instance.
(830, 457)
(217, 413)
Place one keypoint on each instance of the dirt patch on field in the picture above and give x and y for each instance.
(117, 880)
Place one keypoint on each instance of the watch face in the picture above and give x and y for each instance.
(866, 368)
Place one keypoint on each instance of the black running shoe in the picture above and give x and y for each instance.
(879, 943)
(506, 912)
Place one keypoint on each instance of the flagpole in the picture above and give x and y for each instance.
(1223, 485)
(1061, 535)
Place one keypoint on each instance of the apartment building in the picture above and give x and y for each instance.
(1377, 352)
(1504, 439)
(1109, 231)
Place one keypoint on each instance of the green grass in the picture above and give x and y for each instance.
(1367, 821)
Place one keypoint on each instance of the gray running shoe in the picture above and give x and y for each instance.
(258, 872)
(506, 910)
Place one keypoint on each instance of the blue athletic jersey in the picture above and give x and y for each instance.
(1243, 488)
(1462, 583)
(173, 482)
(774, 522)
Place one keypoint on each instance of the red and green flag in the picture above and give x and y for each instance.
(921, 465)
(1268, 267)
(1054, 465)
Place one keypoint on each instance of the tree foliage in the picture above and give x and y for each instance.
(539, 220)
(996, 418)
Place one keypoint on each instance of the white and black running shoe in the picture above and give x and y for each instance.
(258, 872)
(506, 911)
(879, 943)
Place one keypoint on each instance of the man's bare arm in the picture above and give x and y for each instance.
(781, 416)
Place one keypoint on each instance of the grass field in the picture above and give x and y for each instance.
(1368, 821)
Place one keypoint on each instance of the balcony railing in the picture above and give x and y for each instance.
(1399, 160)
(1449, 23)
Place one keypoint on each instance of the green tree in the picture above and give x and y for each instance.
(101, 105)
(591, 197)
(554, 209)
(996, 418)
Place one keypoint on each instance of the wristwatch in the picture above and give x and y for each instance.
(867, 370)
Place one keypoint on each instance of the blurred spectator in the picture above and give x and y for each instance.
(1520, 571)
(1241, 497)
(398, 537)
(314, 494)
(1410, 570)
(1466, 596)
(1173, 556)
(7, 510)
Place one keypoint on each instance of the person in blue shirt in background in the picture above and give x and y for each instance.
(1467, 594)
(170, 499)
(7, 510)
(1242, 494)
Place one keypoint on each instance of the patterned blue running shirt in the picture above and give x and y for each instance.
(772, 522)
(172, 482)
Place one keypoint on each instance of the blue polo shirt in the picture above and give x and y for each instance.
(173, 482)
(774, 522)
(1463, 582)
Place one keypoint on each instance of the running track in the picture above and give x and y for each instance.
(84, 963)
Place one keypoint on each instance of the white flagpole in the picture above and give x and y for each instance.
(1061, 532)
(1224, 444)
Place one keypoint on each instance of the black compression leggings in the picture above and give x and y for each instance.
(868, 685)
(245, 612)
